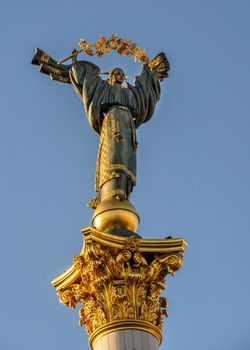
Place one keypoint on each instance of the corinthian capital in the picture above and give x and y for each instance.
(118, 281)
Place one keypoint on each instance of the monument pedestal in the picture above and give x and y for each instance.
(118, 280)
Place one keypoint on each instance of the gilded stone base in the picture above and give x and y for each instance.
(118, 280)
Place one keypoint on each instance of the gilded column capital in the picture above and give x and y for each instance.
(119, 281)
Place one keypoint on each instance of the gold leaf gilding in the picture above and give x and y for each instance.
(119, 280)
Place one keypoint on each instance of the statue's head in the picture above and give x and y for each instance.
(116, 76)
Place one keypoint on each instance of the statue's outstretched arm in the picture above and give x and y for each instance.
(159, 66)
(49, 66)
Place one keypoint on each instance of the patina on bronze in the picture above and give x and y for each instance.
(114, 112)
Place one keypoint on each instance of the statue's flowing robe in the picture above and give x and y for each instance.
(115, 113)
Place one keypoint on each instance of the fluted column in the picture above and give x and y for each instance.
(128, 339)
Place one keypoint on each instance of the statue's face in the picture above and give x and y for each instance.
(118, 76)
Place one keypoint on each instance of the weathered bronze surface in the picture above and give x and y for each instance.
(113, 111)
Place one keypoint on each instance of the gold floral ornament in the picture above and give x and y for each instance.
(118, 282)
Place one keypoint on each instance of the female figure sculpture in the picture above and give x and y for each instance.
(114, 112)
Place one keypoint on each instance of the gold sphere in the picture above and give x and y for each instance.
(112, 214)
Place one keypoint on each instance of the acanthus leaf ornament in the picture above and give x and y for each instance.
(121, 279)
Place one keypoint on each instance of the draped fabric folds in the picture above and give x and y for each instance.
(96, 93)
(114, 113)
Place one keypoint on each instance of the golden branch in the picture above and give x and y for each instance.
(124, 47)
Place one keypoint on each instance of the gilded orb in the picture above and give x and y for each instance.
(115, 214)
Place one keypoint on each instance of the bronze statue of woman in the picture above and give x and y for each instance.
(114, 112)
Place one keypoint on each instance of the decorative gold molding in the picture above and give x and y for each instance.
(119, 280)
(166, 245)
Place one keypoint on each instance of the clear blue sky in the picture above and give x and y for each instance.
(193, 165)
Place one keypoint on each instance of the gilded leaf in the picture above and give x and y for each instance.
(123, 47)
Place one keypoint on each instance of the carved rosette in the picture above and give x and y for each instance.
(119, 279)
